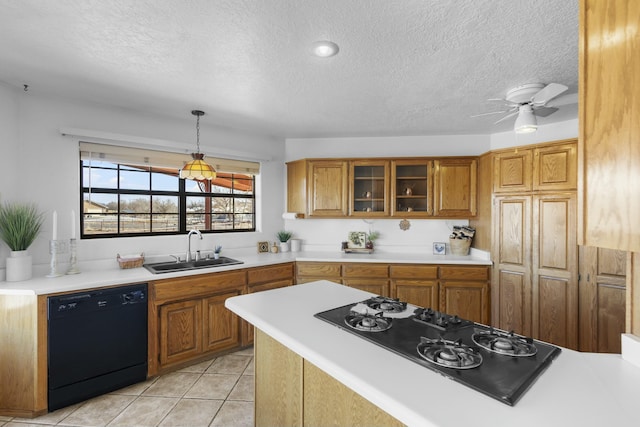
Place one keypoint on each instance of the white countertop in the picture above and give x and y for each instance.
(578, 389)
(98, 274)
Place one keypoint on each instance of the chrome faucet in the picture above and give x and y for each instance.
(192, 232)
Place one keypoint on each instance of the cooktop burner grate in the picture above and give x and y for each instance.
(367, 322)
(505, 343)
(387, 305)
(450, 354)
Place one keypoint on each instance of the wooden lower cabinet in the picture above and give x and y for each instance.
(602, 299)
(455, 289)
(196, 327)
(464, 291)
(221, 326)
(23, 357)
(536, 266)
(263, 279)
(180, 331)
(555, 269)
(188, 320)
(311, 271)
(291, 391)
(415, 284)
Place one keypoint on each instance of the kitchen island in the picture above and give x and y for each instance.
(577, 389)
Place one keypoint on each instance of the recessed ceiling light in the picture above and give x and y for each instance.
(324, 49)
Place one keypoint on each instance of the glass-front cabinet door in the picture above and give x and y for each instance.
(369, 188)
(411, 188)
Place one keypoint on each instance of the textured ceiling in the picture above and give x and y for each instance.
(405, 67)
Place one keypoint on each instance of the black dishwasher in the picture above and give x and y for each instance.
(97, 343)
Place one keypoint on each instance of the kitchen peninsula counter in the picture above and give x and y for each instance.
(97, 274)
(583, 389)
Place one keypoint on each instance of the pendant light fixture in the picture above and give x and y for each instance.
(197, 169)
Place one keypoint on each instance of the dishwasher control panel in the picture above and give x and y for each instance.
(102, 299)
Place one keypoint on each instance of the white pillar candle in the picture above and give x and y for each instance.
(54, 235)
(73, 224)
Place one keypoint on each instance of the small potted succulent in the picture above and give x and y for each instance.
(20, 224)
(283, 237)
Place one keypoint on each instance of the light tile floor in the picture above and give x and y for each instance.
(217, 392)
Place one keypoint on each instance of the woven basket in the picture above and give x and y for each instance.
(132, 262)
(459, 246)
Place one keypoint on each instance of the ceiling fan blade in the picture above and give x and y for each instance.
(488, 114)
(570, 98)
(506, 117)
(544, 111)
(547, 93)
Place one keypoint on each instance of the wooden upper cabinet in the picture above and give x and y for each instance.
(297, 187)
(512, 171)
(327, 188)
(412, 188)
(556, 167)
(455, 187)
(369, 188)
(418, 187)
(609, 106)
(547, 167)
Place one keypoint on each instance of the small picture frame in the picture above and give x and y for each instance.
(357, 240)
(263, 247)
(439, 248)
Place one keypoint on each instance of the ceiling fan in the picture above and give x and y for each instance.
(530, 100)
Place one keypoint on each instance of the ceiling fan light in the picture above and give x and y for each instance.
(526, 121)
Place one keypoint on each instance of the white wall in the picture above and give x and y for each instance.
(392, 146)
(552, 132)
(9, 143)
(43, 166)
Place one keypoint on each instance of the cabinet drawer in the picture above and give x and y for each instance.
(375, 286)
(413, 271)
(180, 288)
(365, 270)
(464, 273)
(269, 274)
(320, 269)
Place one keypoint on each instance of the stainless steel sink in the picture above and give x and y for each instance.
(171, 266)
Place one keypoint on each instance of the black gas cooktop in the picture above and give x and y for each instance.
(497, 363)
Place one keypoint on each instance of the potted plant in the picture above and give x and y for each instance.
(216, 251)
(283, 237)
(371, 237)
(20, 224)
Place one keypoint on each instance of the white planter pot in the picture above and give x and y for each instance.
(19, 266)
(284, 246)
(295, 245)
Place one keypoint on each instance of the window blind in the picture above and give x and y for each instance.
(164, 159)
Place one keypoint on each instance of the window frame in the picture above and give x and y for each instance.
(182, 194)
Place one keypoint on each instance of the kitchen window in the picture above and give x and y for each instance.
(122, 196)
